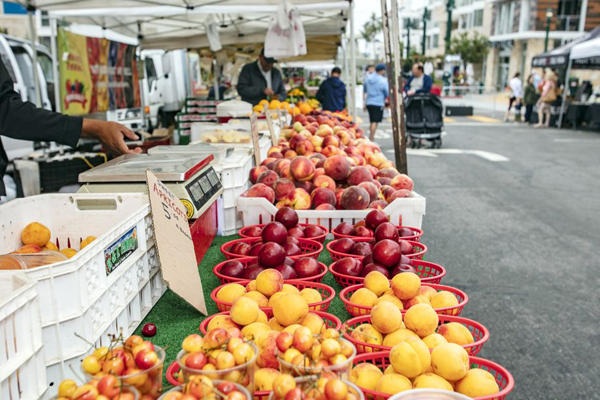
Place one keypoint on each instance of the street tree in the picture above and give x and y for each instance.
(470, 49)
(370, 30)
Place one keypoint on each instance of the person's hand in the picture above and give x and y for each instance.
(269, 92)
(110, 134)
(410, 92)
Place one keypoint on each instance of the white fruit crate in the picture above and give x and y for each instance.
(22, 373)
(229, 219)
(80, 298)
(235, 169)
(406, 211)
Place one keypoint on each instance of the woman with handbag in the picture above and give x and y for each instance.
(546, 99)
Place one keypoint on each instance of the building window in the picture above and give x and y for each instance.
(568, 15)
(505, 18)
(436, 40)
(478, 18)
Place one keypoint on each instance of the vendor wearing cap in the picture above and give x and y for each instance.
(259, 80)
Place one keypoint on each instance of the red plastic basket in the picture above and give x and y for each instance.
(327, 293)
(320, 238)
(504, 379)
(251, 260)
(480, 333)
(428, 271)
(416, 237)
(419, 249)
(357, 310)
(174, 368)
(330, 320)
(309, 248)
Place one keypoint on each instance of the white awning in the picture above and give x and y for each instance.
(588, 49)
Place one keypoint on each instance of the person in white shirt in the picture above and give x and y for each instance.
(516, 96)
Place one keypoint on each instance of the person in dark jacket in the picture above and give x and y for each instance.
(418, 82)
(259, 80)
(530, 97)
(23, 120)
(332, 92)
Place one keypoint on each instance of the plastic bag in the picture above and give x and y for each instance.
(285, 37)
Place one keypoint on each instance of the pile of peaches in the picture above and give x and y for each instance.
(323, 165)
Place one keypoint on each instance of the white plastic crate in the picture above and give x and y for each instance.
(235, 169)
(81, 297)
(407, 211)
(230, 195)
(22, 373)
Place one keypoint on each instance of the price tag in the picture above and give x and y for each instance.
(254, 130)
(271, 127)
(174, 244)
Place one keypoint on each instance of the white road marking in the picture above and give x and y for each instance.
(570, 140)
(486, 155)
(382, 135)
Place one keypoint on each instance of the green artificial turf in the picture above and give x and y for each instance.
(175, 318)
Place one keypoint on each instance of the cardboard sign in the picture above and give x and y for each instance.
(174, 244)
(271, 127)
(254, 130)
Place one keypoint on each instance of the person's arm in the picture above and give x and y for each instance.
(344, 97)
(386, 89)
(23, 120)
(280, 92)
(247, 86)
(320, 95)
(427, 81)
(407, 84)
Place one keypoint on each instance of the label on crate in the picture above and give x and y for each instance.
(174, 243)
(120, 250)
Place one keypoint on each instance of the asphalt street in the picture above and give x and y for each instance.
(513, 213)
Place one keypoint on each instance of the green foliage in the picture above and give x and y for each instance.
(470, 49)
(371, 28)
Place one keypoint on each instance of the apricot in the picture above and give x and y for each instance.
(86, 241)
(392, 299)
(311, 295)
(455, 332)
(365, 376)
(406, 285)
(50, 246)
(314, 323)
(377, 282)
(68, 252)
(432, 381)
(263, 379)
(386, 317)
(290, 309)
(399, 336)
(255, 331)
(410, 358)
(262, 317)
(35, 233)
(421, 319)
(450, 361)
(363, 297)
(418, 299)
(443, 299)
(434, 340)
(28, 249)
(289, 288)
(231, 292)
(427, 291)
(393, 383)
(244, 311)
(477, 383)
(269, 282)
(258, 297)
(368, 334)
(220, 321)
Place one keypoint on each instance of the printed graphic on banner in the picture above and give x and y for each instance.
(118, 251)
(96, 74)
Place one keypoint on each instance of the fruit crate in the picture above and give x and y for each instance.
(82, 298)
(428, 272)
(407, 212)
(243, 233)
(246, 261)
(503, 378)
(308, 248)
(22, 373)
(419, 250)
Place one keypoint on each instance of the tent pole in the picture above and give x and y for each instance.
(391, 37)
(53, 49)
(345, 63)
(34, 67)
(216, 77)
(352, 64)
(564, 94)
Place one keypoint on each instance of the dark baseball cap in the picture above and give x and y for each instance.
(270, 60)
(380, 67)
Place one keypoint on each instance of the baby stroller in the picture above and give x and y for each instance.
(424, 120)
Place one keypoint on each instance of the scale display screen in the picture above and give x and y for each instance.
(203, 187)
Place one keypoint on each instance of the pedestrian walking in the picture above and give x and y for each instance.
(530, 97)
(332, 92)
(376, 91)
(546, 99)
(516, 96)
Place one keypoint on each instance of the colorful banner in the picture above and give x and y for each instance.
(96, 74)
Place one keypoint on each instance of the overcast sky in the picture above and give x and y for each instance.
(363, 10)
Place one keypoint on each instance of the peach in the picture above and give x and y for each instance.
(377, 283)
(477, 383)
(322, 196)
(427, 291)
(365, 376)
(387, 172)
(298, 126)
(318, 159)
(378, 204)
(393, 383)
(244, 311)
(276, 154)
(28, 248)
(306, 185)
(256, 171)
(317, 142)
(354, 198)
(402, 181)
(331, 140)
(284, 189)
(268, 178)
(282, 168)
(290, 309)
(432, 381)
(324, 181)
(399, 194)
(443, 299)
(363, 297)
(421, 319)
(386, 192)
(35, 233)
(375, 159)
(258, 297)
(318, 172)
(418, 299)
(289, 154)
(301, 200)
(386, 317)
(391, 298)
(384, 181)
(261, 190)
(325, 206)
(231, 292)
(330, 151)
(434, 340)
(455, 332)
(371, 188)
(399, 336)
(345, 137)
(324, 130)
(450, 361)
(406, 285)
(268, 161)
(286, 133)
(269, 282)
(311, 295)
(305, 147)
(358, 175)
(302, 168)
(410, 358)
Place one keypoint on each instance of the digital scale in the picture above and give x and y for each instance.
(190, 177)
